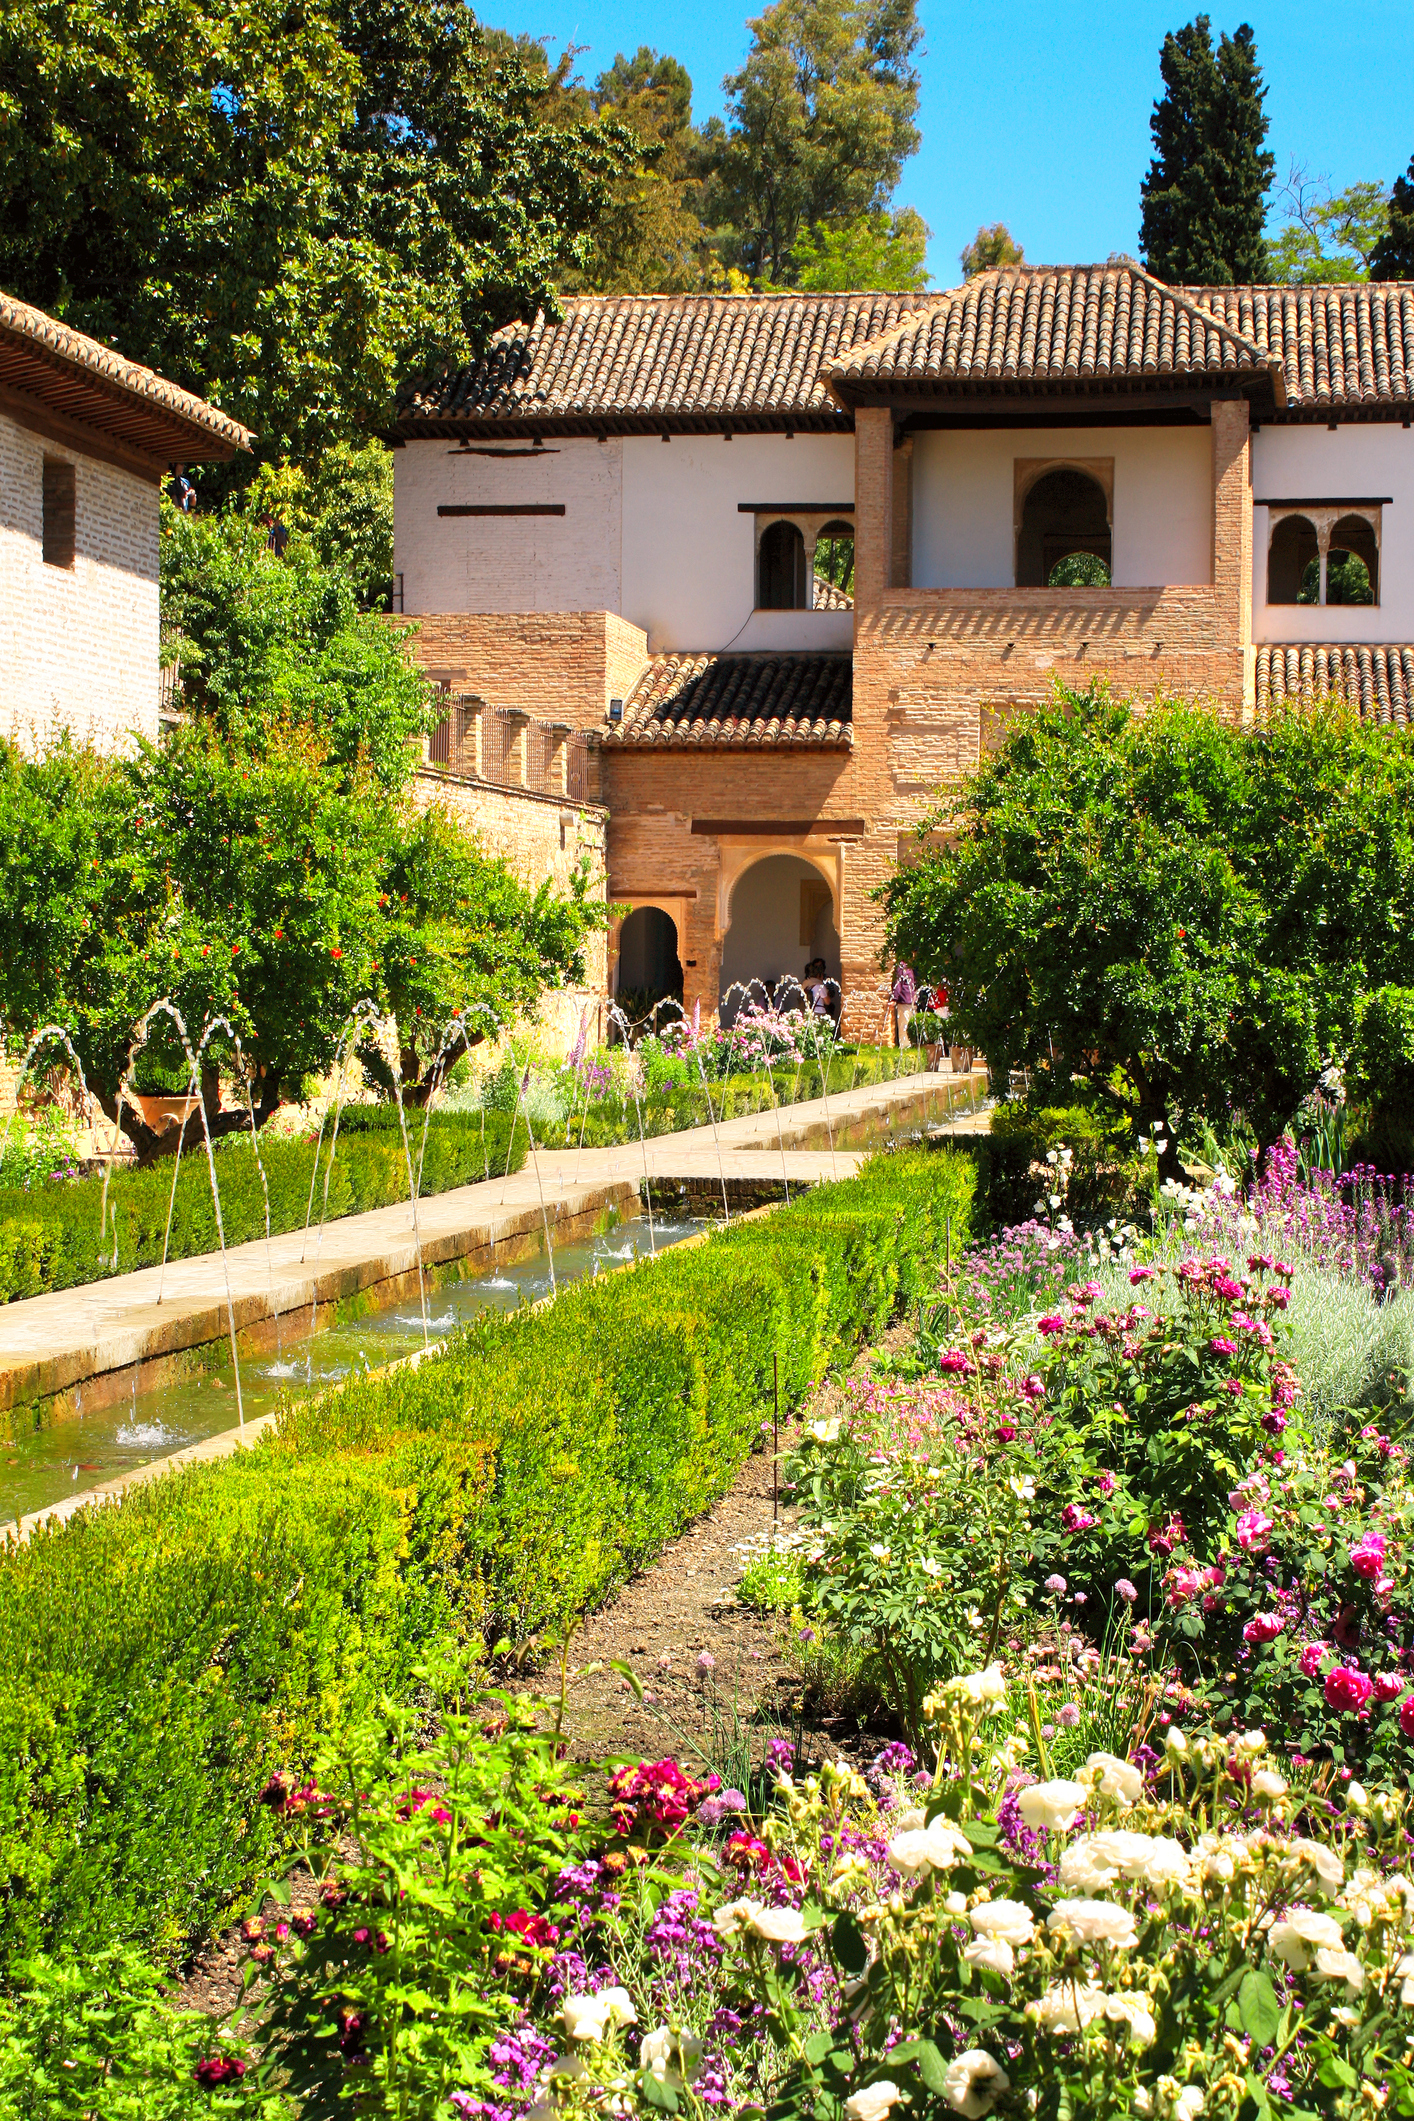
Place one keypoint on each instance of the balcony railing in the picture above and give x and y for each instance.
(509, 749)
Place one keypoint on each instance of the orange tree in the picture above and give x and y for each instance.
(1212, 911)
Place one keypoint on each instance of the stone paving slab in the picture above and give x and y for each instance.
(51, 1343)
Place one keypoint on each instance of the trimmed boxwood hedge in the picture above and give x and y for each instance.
(50, 1237)
(158, 1660)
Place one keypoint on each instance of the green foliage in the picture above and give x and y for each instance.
(343, 506)
(879, 250)
(286, 213)
(1329, 238)
(1203, 200)
(650, 236)
(1201, 908)
(1393, 256)
(159, 1660)
(1100, 1177)
(54, 1236)
(989, 248)
(1080, 570)
(820, 122)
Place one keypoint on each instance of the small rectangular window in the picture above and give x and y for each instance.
(58, 512)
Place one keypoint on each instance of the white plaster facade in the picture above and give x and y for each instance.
(78, 645)
(964, 485)
(1353, 461)
(652, 530)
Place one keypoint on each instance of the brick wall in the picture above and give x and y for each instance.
(78, 646)
(560, 666)
(541, 837)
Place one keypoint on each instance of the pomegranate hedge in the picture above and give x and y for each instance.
(159, 1660)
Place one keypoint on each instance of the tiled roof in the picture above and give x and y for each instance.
(741, 701)
(641, 363)
(81, 379)
(1348, 347)
(827, 597)
(1378, 679)
(1053, 329)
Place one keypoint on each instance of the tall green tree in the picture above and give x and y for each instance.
(651, 236)
(1330, 236)
(283, 207)
(820, 123)
(1393, 256)
(991, 247)
(882, 252)
(1203, 201)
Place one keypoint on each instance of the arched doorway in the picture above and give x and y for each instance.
(781, 915)
(649, 963)
(1065, 523)
(782, 584)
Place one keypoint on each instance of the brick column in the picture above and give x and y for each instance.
(517, 726)
(901, 563)
(1232, 538)
(873, 503)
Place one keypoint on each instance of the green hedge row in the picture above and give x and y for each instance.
(158, 1660)
(50, 1235)
(666, 1112)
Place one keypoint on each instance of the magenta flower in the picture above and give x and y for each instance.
(954, 1363)
(1368, 1558)
(1138, 1274)
(1263, 1627)
(1185, 1584)
(1311, 1657)
(1105, 1482)
(1053, 1323)
(1406, 1717)
(1221, 1345)
(1254, 1532)
(1388, 1686)
(214, 2070)
(1076, 1519)
(1347, 1689)
(1226, 1287)
(1032, 1388)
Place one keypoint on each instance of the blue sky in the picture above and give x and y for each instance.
(1036, 112)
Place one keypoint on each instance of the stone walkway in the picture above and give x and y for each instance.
(50, 1344)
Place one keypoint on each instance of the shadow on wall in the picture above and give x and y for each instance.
(649, 960)
(782, 915)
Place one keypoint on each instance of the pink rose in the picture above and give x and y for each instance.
(1388, 1686)
(1254, 1531)
(1406, 1717)
(1347, 1689)
(1184, 1584)
(1054, 1323)
(1310, 1658)
(1367, 1559)
(1075, 1519)
(1225, 1286)
(1032, 1388)
(1138, 1274)
(1263, 1627)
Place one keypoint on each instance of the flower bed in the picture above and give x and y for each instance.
(156, 1660)
(58, 1236)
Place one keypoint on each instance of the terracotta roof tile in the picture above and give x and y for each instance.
(1347, 347)
(88, 382)
(740, 701)
(1376, 678)
(1053, 328)
(649, 361)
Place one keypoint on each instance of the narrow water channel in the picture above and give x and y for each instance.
(70, 1456)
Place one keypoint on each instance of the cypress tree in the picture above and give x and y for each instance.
(1204, 199)
(1393, 256)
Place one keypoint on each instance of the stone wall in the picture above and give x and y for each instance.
(540, 837)
(78, 645)
(560, 666)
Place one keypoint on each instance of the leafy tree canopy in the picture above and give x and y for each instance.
(1393, 256)
(1201, 913)
(1330, 236)
(286, 208)
(1203, 201)
(879, 251)
(820, 123)
(989, 248)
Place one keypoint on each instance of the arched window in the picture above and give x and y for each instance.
(1353, 565)
(834, 567)
(781, 584)
(649, 963)
(1291, 558)
(1064, 524)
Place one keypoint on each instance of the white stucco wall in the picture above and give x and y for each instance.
(689, 556)
(1365, 461)
(509, 563)
(963, 502)
(78, 646)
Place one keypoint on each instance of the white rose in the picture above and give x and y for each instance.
(1133, 2010)
(777, 1925)
(872, 2101)
(929, 1848)
(978, 1687)
(912, 1821)
(973, 2083)
(1003, 1918)
(1118, 1778)
(1098, 1859)
(993, 1952)
(1337, 1964)
(590, 2017)
(1251, 1743)
(956, 1903)
(1302, 1932)
(1067, 2006)
(825, 1431)
(1268, 1783)
(1054, 1806)
(1189, 2103)
(673, 2058)
(1095, 1922)
(1405, 1973)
